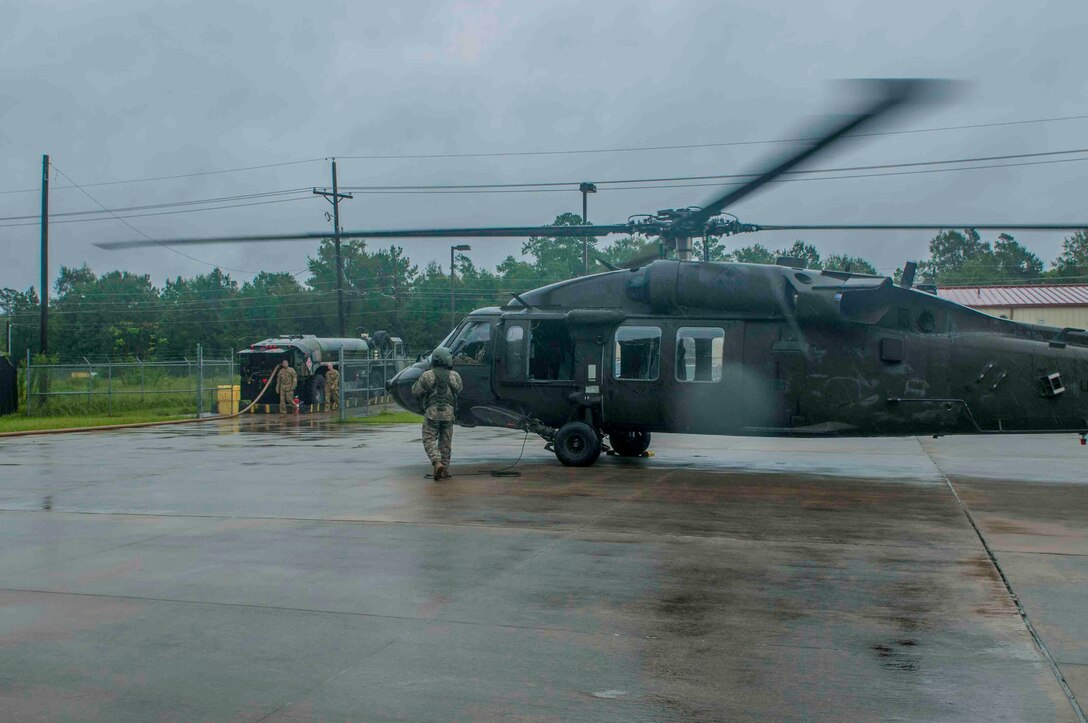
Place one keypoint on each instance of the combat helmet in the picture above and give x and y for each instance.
(441, 357)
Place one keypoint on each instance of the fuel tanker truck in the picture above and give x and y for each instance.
(369, 362)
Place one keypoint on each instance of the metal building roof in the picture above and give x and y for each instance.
(1007, 296)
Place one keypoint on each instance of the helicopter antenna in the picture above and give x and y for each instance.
(909, 269)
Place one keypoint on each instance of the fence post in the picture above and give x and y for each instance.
(141, 363)
(109, 385)
(199, 381)
(28, 382)
(369, 369)
(230, 380)
(343, 383)
(90, 379)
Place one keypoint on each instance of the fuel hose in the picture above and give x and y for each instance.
(137, 425)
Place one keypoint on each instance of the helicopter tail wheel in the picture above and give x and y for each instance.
(577, 444)
(629, 444)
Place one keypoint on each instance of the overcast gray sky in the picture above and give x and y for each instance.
(132, 90)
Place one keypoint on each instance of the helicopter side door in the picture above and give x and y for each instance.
(535, 366)
(471, 349)
(634, 390)
(704, 394)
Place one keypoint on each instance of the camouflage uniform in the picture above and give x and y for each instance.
(437, 389)
(286, 380)
(332, 388)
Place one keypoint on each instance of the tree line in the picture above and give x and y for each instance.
(119, 314)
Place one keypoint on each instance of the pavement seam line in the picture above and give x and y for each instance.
(1035, 636)
(281, 608)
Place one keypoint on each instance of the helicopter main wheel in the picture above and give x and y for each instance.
(577, 444)
(629, 444)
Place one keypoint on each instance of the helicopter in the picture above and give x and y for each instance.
(692, 346)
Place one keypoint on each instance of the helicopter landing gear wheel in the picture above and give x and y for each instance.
(577, 444)
(629, 444)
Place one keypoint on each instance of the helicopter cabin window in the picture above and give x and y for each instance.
(515, 352)
(637, 353)
(551, 351)
(699, 354)
(470, 346)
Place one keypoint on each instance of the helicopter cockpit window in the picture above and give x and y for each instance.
(637, 353)
(551, 352)
(699, 354)
(471, 345)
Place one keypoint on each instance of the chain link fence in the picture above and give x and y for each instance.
(198, 386)
(362, 382)
(187, 386)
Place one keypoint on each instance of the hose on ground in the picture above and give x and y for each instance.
(137, 425)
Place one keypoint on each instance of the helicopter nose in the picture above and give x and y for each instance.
(400, 387)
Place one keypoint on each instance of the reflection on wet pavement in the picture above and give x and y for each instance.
(300, 569)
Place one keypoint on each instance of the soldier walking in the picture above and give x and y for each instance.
(286, 379)
(332, 386)
(437, 389)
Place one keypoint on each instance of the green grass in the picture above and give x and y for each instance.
(124, 390)
(17, 423)
(387, 417)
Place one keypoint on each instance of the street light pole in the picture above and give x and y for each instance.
(453, 293)
(586, 189)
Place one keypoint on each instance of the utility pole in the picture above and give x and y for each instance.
(586, 189)
(396, 301)
(43, 293)
(334, 197)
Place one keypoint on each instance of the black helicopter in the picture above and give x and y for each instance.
(747, 349)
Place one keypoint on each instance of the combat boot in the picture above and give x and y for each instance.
(439, 471)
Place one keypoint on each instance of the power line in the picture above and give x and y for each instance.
(172, 204)
(566, 186)
(690, 146)
(122, 220)
(162, 213)
(670, 179)
(148, 179)
(629, 149)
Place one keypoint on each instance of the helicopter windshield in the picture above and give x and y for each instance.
(472, 344)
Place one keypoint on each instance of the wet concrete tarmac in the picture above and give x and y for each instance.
(261, 570)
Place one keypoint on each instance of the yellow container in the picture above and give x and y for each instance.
(228, 395)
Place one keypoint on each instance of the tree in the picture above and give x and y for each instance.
(949, 251)
(270, 304)
(855, 264)
(1013, 261)
(806, 252)
(117, 314)
(1074, 257)
(629, 247)
(202, 310)
(964, 258)
(22, 310)
(559, 257)
(754, 254)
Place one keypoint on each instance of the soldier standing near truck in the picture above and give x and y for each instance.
(332, 386)
(437, 390)
(286, 380)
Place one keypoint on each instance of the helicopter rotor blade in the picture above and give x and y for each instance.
(891, 94)
(641, 259)
(491, 232)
